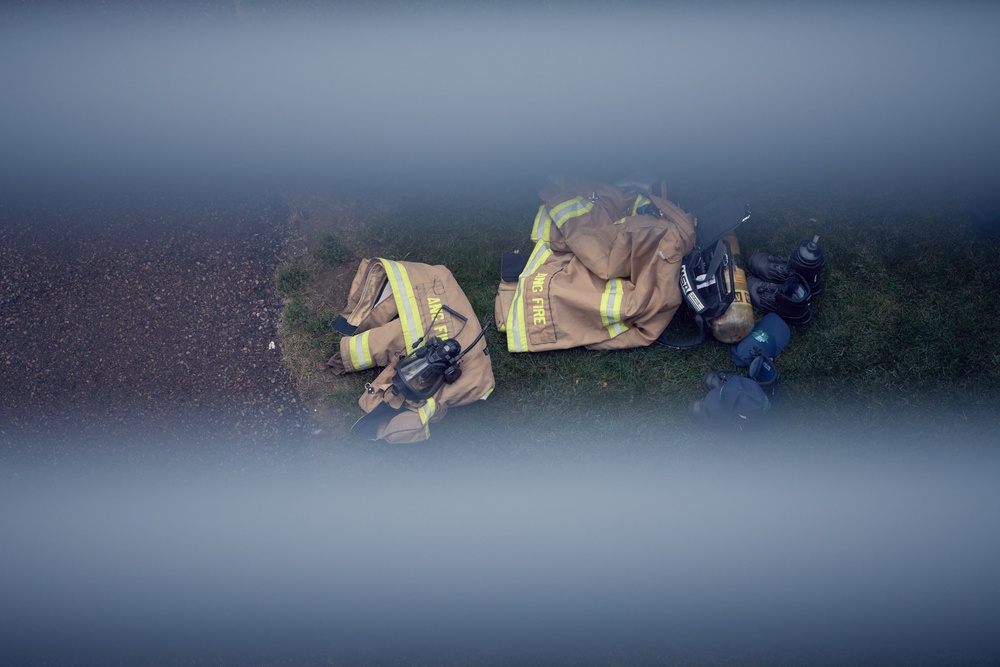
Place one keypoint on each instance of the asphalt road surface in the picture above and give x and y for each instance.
(143, 321)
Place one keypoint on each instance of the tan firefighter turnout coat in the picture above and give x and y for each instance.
(391, 307)
(604, 272)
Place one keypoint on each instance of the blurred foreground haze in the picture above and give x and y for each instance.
(212, 94)
(880, 550)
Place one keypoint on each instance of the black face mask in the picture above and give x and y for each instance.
(421, 373)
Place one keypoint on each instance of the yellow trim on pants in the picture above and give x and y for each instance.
(611, 307)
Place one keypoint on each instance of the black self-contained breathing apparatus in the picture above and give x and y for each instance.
(707, 278)
(421, 373)
(707, 281)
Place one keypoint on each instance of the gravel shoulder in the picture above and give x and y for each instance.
(144, 320)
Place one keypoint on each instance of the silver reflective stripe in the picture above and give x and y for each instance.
(540, 230)
(426, 411)
(611, 303)
(406, 302)
(361, 357)
(570, 209)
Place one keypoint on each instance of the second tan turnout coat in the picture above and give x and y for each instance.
(604, 272)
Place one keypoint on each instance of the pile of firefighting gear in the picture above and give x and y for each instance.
(610, 269)
(604, 272)
(394, 310)
(784, 288)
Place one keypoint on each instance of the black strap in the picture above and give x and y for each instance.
(718, 255)
(686, 344)
(367, 426)
(341, 325)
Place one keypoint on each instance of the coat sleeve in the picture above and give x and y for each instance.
(374, 348)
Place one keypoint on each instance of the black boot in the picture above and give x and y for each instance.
(790, 299)
(768, 267)
(773, 269)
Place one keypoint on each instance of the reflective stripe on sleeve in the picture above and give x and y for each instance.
(406, 302)
(611, 307)
(543, 222)
(569, 209)
(517, 333)
(361, 355)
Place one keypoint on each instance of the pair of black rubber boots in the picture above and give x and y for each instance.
(786, 286)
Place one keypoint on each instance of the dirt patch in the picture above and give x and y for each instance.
(310, 220)
(313, 220)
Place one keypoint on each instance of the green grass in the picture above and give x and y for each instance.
(905, 331)
(291, 278)
(331, 250)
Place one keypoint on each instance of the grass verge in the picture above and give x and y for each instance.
(904, 333)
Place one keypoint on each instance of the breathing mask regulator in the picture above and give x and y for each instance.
(431, 364)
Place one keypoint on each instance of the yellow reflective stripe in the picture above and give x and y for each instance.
(570, 209)
(487, 394)
(640, 201)
(361, 355)
(406, 302)
(517, 331)
(426, 411)
(611, 307)
(543, 223)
